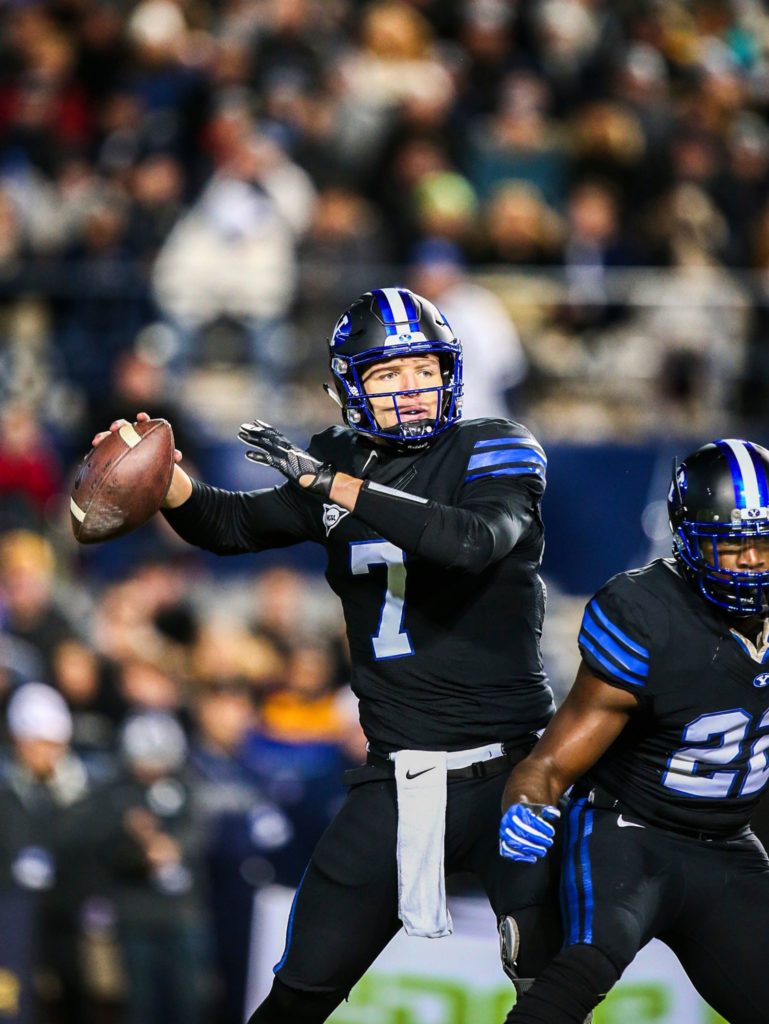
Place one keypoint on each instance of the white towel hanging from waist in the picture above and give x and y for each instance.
(420, 778)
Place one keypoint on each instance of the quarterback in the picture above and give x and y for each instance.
(434, 539)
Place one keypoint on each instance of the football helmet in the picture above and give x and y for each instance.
(386, 323)
(720, 494)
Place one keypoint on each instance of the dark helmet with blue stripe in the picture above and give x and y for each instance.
(384, 324)
(719, 499)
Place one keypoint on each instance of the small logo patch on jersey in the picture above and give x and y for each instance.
(332, 516)
(761, 680)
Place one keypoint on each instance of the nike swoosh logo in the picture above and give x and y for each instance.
(628, 824)
(416, 775)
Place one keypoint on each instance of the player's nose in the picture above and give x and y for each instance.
(752, 557)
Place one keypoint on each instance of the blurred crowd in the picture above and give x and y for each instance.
(209, 183)
(190, 193)
(162, 758)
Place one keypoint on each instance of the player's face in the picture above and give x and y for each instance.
(409, 374)
(751, 555)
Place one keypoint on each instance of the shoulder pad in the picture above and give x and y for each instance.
(498, 447)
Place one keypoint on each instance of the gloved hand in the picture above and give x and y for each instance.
(525, 832)
(271, 448)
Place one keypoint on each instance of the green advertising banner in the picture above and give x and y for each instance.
(459, 979)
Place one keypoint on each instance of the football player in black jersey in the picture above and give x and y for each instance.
(434, 539)
(665, 739)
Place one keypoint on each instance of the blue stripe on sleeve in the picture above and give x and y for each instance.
(510, 442)
(595, 608)
(603, 660)
(532, 470)
(610, 646)
(505, 457)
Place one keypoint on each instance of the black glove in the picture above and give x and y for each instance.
(274, 449)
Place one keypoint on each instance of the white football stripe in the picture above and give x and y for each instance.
(129, 435)
(748, 470)
(76, 510)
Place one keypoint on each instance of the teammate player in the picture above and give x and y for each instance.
(665, 736)
(434, 538)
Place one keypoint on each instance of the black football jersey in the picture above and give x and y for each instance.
(445, 652)
(694, 755)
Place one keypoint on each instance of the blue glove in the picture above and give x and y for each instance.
(525, 832)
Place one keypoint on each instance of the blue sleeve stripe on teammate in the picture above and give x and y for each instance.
(529, 468)
(611, 627)
(610, 649)
(606, 663)
(506, 457)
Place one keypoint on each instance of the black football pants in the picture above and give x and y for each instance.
(345, 910)
(625, 882)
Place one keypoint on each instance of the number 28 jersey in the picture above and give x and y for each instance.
(695, 755)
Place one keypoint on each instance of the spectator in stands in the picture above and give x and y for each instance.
(29, 473)
(307, 734)
(594, 246)
(29, 606)
(45, 857)
(519, 228)
(244, 832)
(151, 847)
(234, 253)
(494, 363)
(395, 62)
(520, 141)
(87, 683)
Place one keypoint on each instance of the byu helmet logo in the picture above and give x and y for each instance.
(761, 680)
(342, 329)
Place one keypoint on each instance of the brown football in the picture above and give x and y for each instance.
(121, 482)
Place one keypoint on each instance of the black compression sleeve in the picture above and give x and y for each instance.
(233, 522)
(471, 536)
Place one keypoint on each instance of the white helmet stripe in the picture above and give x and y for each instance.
(392, 295)
(748, 471)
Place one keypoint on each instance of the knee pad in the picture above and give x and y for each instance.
(509, 944)
(298, 1006)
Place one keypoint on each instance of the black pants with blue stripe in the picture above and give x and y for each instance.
(345, 911)
(625, 882)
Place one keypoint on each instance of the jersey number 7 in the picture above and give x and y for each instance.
(391, 640)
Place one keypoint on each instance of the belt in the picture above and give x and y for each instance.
(478, 763)
(601, 798)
